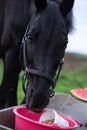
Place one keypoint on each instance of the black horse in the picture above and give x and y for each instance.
(43, 46)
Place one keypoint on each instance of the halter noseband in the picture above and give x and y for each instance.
(38, 72)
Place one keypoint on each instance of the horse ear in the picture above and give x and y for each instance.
(40, 4)
(66, 6)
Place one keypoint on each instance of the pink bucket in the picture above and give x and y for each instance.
(29, 120)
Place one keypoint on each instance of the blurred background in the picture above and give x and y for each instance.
(78, 39)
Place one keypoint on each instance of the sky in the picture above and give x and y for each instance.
(78, 39)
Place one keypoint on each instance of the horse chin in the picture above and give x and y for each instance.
(35, 109)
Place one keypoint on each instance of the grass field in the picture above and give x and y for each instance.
(72, 79)
(69, 79)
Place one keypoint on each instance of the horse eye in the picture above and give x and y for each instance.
(30, 38)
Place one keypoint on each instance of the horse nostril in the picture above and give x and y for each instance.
(31, 92)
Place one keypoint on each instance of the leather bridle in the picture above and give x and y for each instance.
(39, 73)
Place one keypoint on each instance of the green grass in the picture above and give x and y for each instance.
(72, 79)
(20, 92)
(68, 80)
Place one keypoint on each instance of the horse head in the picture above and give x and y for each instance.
(44, 45)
